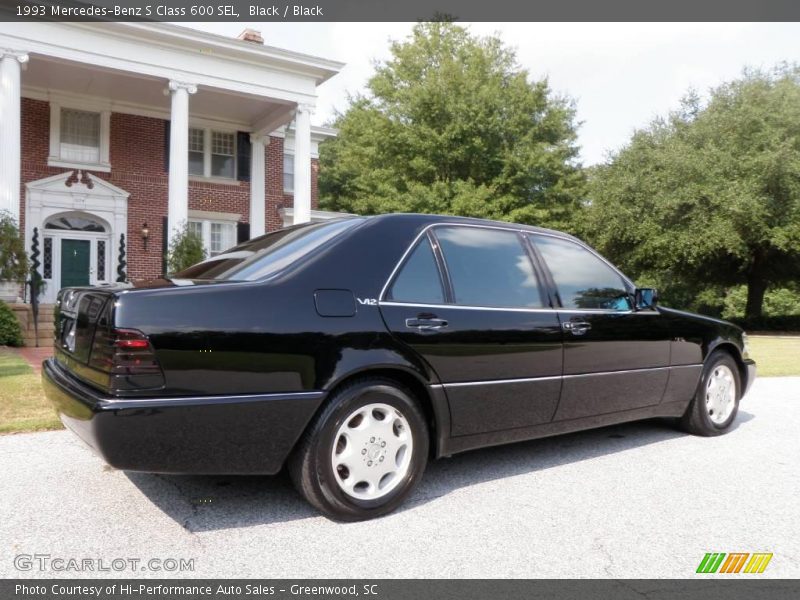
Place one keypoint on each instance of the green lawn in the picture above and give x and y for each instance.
(777, 356)
(22, 403)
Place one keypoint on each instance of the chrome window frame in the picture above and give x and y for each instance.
(525, 232)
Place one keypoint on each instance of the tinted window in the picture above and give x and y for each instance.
(264, 256)
(488, 267)
(583, 279)
(418, 280)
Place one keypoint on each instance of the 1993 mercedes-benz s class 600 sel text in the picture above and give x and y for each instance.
(354, 350)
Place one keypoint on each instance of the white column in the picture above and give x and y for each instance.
(178, 213)
(258, 186)
(10, 142)
(302, 164)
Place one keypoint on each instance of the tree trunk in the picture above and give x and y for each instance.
(756, 283)
(756, 288)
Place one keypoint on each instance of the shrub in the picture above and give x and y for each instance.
(13, 260)
(10, 331)
(777, 302)
(185, 250)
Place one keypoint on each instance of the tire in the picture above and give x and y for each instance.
(364, 453)
(716, 402)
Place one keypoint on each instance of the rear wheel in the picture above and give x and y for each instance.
(716, 401)
(364, 453)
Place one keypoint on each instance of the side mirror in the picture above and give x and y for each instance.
(645, 298)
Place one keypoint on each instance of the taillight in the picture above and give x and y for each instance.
(133, 354)
(128, 357)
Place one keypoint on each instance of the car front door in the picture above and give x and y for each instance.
(471, 302)
(615, 358)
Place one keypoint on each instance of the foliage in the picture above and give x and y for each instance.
(452, 124)
(185, 250)
(709, 196)
(10, 330)
(773, 323)
(13, 260)
(778, 301)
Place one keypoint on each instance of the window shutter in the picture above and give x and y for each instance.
(242, 156)
(242, 232)
(164, 241)
(166, 146)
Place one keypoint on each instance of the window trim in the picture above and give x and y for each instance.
(55, 159)
(208, 132)
(555, 305)
(433, 245)
(205, 219)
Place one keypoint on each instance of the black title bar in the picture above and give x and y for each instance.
(399, 10)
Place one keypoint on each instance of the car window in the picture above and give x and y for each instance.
(583, 279)
(266, 255)
(489, 267)
(418, 279)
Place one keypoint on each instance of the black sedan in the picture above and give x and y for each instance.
(354, 350)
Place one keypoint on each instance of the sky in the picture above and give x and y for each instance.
(620, 75)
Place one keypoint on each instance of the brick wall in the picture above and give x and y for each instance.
(138, 166)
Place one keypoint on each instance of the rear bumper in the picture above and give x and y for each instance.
(250, 434)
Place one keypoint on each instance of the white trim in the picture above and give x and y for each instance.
(210, 215)
(150, 51)
(104, 202)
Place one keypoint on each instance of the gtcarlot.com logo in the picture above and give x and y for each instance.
(734, 562)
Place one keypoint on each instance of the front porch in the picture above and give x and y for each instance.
(139, 128)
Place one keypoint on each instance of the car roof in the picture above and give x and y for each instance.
(419, 219)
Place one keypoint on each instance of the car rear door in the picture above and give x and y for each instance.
(615, 358)
(470, 300)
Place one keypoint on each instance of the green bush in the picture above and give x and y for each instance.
(185, 250)
(13, 260)
(10, 331)
(777, 302)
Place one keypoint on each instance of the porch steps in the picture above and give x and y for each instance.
(24, 315)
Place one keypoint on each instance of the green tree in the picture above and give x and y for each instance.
(185, 249)
(13, 260)
(709, 197)
(451, 124)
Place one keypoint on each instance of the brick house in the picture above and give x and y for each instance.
(131, 129)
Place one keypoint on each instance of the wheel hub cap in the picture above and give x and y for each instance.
(372, 451)
(720, 394)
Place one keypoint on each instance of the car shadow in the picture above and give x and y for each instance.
(211, 503)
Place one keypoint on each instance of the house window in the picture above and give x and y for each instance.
(288, 173)
(79, 138)
(217, 236)
(196, 151)
(212, 153)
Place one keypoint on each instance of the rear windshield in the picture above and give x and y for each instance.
(266, 255)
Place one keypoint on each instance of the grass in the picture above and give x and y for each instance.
(776, 356)
(23, 406)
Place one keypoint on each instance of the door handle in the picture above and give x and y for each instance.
(426, 323)
(576, 327)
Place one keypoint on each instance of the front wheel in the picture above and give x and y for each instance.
(716, 401)
(364, 453)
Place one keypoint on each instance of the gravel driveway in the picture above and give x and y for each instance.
(639, 500)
